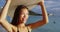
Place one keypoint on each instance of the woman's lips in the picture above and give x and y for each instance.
(23, 19)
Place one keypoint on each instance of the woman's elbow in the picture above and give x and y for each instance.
(1, 20)
(46, 21)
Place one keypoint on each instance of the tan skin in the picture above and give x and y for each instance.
(23, 18)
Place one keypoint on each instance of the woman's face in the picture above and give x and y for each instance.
(23, 15)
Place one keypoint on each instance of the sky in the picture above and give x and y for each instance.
(2, 2)
(52, 6)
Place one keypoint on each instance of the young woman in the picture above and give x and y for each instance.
(20, 18)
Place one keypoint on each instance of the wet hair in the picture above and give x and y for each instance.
(16, 14)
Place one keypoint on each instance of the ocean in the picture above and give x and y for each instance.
(52, 26)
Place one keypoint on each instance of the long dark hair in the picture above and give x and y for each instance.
(16, 14)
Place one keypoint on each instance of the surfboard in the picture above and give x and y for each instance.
(14, 3)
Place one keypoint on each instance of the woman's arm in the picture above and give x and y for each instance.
(4, 11)
(44, 20)
(3, 15)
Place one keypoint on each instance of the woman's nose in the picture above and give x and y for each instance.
(24, 16)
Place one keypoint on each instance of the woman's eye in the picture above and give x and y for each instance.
(22, 14)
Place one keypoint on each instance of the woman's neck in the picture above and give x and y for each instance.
(21, 25)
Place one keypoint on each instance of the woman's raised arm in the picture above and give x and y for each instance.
(3, 15)
(4, 11)
(45, 17)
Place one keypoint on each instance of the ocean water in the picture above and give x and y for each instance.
(52, 26)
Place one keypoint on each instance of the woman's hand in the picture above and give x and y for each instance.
(40, 3)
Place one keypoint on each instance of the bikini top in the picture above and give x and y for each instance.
(27, 28)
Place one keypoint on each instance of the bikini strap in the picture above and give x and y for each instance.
(28, 29)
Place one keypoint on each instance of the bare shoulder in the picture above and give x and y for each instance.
(14, 28)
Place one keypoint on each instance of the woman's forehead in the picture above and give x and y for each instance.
(24, 10)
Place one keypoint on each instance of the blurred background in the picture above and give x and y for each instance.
(53, 9)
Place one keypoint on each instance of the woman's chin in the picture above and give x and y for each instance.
(23, 20)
